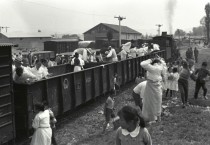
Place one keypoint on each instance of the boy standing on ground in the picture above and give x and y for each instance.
(108, 111)
(201, 80)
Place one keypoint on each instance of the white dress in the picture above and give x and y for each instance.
(153, 91)
(173, 84)
(43, 131)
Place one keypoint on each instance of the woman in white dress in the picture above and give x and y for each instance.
(41, 124)
(156, 71)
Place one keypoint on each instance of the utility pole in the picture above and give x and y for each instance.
(120, 19)
(159, 25)
(6, 28)
(1, 28)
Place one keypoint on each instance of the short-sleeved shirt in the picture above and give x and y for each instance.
(110, 103)
(143, 138)
(202, 73)
(139, 89)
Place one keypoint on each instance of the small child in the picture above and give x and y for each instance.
(132, 130)
(116, 84)
(108, 111)
(173, 84)
(169, 80)
(138, 93)
(201, 80)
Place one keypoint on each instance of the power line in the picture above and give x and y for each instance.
(81, 12)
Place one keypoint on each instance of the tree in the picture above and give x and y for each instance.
(207, 20)
(179, 33)
(198, 31)
(109, 35)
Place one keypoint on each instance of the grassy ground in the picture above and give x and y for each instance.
(189, 126)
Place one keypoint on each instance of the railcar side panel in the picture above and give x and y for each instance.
(125, 72)
(79, 84)
(54, 94)
(88, 84)
(7, 127)
(97, 81)
(129, 70)
(119, 67)
(134, 68)
(67, 92)
(105, 78)
(111, 76)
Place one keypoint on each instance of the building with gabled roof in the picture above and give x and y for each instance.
(25, 41)
(99, 34)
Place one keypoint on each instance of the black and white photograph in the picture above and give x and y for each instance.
(104, 72)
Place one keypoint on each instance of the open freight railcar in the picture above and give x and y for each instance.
(7, 124)
(67, 91)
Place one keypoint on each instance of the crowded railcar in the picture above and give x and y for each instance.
(65, 91)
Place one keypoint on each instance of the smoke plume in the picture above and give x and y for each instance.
(170, 7)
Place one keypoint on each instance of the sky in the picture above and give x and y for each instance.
(78, 16)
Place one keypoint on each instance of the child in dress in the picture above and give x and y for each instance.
(173, 84)
(108, 112)
(169, 80)
(132, 130)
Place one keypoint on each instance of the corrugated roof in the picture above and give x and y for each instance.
(124, 29)
(24, 35)
(6, 44)
(64, 40)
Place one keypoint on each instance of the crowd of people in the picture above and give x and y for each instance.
(24, 73)
(160, 79)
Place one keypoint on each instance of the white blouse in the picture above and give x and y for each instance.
(155, 72)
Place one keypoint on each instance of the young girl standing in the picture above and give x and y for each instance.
(132, 130)
(172, 84)
(168, 81)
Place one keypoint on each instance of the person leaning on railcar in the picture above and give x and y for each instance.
(112, 54)
(77, 62)
(44, 69)
(123, 54)
(37, 71)
(41, 124)
(23, 77)
(99, 57)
